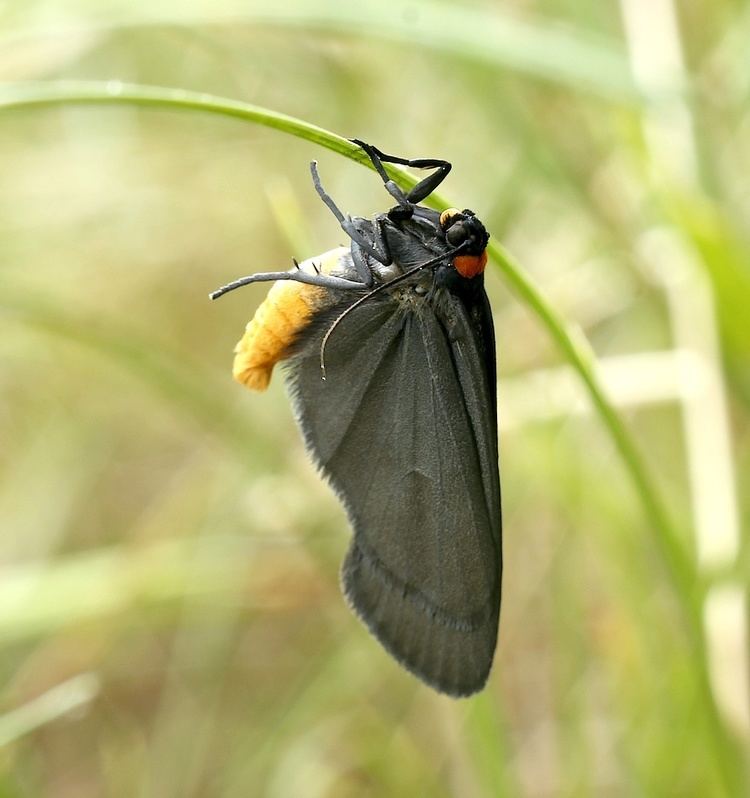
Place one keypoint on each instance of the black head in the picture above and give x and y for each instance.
(463, 227)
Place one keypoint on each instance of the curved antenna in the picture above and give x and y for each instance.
(383, 287)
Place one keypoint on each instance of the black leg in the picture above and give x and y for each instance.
(423, 189)
(297, 275)
(364, 272)
(368, 244)
(391, 187)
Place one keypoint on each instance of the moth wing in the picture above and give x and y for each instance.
(404, 429)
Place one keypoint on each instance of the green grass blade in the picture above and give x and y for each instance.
(181, 383)
(64, 698)
(576, 59)
(40, 598)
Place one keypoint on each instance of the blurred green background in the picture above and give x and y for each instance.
(170, 618)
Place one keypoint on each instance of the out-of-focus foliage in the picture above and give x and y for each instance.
(170, 618)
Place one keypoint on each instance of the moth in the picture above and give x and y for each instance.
(389, 349)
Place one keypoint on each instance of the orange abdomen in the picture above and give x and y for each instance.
(288, 308)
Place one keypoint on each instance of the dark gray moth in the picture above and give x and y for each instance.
(393, 381)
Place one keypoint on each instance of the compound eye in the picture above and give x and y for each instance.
(456, 234)
(448, 216)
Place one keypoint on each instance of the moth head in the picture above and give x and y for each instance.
(463, 228)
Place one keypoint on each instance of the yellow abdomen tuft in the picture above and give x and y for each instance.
(282, 314)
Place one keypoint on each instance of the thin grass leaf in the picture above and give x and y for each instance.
(176, 379)
(41, 598)
(64, 698)
(575, 59)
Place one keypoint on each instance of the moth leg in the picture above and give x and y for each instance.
(370, 244)
(360, 264)
(423, 189)
(298, 276)
(390, 186)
